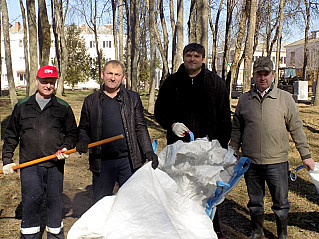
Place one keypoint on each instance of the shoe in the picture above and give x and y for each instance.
(282, 228)
(257, 224)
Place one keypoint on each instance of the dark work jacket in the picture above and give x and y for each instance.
(136, 133)
(200, 102)
(40, 133)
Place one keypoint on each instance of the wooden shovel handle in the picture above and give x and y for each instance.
(70, 151)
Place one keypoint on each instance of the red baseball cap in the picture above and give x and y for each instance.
(47, 72)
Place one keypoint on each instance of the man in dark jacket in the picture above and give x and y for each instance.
(196, 99)
(44, 125)
(108, 112)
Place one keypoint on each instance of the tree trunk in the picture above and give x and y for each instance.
(26, 48)
(192, 22)
(114, 6)
(174, 32)
(281, 18)
(1, 60)
(305, 59)
(58, 11)
(135, 29)
(215, 34)
(249, 51)
(128, 45)
(163, 49)
(240, 36)
(203, 5)
(179, 36)
(7, 48)
(33, 44)
(151, 99)
(120, 24)
(230, 7)
(44, 34)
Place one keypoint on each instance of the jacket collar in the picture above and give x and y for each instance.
(118, 97)
(272, 93)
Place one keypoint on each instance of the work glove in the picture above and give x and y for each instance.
(82, 147)
(151, 156)
(179, 129)
(61, 155)
(8, 168)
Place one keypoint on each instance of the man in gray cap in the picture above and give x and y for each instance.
(263, 120)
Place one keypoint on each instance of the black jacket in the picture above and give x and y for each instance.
(200, 102)
(40, 133)
(136, 133)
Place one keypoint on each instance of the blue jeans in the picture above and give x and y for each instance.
(36, 182)
(276, 176)
(111, 171)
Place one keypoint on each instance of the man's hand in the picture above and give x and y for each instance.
(82, 147)
(151, 156)
(309, 163)
(8, 168)
(61, 155)
(179, 129)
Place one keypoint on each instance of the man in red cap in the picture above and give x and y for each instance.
(43, 125)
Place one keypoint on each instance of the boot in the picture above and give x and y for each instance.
(257, 224)
(282, 228)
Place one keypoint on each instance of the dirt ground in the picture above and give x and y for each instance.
(234, 215)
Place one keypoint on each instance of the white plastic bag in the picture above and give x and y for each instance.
(315, 176)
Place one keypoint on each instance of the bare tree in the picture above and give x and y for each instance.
(305, 59)
(230, 8)
(7, 48)
(179, 35)
(44, 34)
(120, 25)
(281, 18)
(135, 30)
(60, 11)
(151, 99)
(203, 9)
(162, 47)
(26, 47)
(33, 44)
(128, 44)
(239, 42)
(214, 29)
(192, 22)
(249, 44)
(114, 7)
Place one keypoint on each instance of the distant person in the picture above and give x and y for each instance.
(194, 99)
(43, 125)
(111, 111)
(263, 120)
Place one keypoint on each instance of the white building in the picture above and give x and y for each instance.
(106, 43)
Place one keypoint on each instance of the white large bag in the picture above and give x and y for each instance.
(315, 176)
(168, 202)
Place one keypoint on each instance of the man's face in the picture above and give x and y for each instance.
(112, 76)
(263, 79)
(45, 87)
(193, 62)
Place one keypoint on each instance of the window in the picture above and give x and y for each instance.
(20, 43)
(92, 44)
(292, 57)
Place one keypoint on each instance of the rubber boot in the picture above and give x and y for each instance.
(257, 224)
(282, 228)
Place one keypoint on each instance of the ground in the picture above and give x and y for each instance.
(303, 219)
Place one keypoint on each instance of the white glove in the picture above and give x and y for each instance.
(8, 168)
(61, 155)
(179, 129)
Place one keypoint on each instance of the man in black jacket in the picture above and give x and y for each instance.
(196, 99)
(108, 112)
(43, 125)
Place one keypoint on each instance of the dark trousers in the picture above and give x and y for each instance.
(276, 177)
(36, 182)
(111, 171)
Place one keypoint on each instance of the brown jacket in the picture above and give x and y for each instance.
(261, 127)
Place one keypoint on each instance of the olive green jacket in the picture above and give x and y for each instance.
(261, 127)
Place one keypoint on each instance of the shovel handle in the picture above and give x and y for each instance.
(70, 151)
